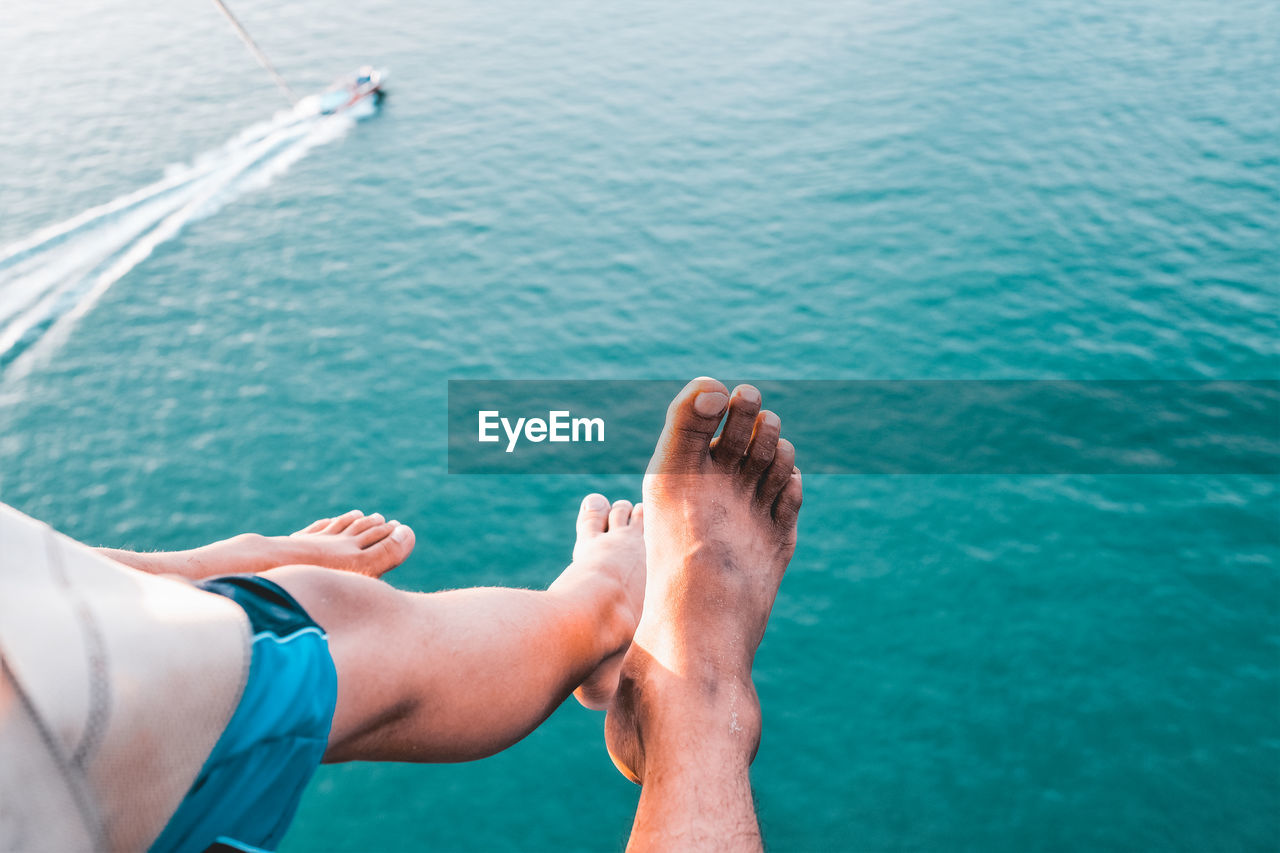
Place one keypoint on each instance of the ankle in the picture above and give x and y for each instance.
(281, 550)
(249, 552)
(602, 601)
(252, 540)
(703, 710)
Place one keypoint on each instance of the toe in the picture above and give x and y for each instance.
(314, 527)
(392, 550)
(373, 535)
(620, 515)
(692, 419)
(593, 515)
(637, 517)
(764, 441)
(360, 525)
(343, 521)
(744, 405)
(775, 479)
(787, 508)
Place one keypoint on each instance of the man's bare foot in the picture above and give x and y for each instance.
(610, 544)
(352, 542)
(720, 528)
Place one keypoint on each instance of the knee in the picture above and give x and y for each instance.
(336, 600)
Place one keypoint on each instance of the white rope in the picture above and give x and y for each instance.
(256, 51)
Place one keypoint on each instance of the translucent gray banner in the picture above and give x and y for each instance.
(888, 426)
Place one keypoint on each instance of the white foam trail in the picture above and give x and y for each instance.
(53, 277)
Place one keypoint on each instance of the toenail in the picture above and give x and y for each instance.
(401, 533)
(772, 420)
(749, 393)
(710, 403)
(598, 503)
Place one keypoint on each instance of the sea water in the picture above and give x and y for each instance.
(655, 190)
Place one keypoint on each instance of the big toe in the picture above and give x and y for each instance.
(593, 516)
(692, 419)
(392, 550)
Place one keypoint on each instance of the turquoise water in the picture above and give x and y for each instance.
(784, 191)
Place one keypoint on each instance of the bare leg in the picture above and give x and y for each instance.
(455, 676)
(720, 530)
(353, 542)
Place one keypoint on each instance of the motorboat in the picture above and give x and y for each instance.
(346, 92)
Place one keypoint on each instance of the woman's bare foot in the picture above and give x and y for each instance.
(352, 542)
(720, 528)
(610, 544)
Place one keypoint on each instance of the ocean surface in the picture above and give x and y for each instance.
(984, 189)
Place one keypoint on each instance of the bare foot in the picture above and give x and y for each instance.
(720, 529)
(610, 542)
(352, 542)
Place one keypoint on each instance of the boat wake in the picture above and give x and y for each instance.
(53, 277)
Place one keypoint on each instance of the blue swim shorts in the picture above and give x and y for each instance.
(249, 788)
